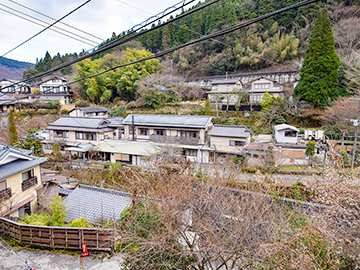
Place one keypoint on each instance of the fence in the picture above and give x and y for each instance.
(58, 237)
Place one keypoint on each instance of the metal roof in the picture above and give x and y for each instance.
(229, 81)
(128, 147)
(81, 122)
(91, 109)
(80, 148)
(230, 131)
(285, 126)
(117, 121)
(168, 121)
(96, 204)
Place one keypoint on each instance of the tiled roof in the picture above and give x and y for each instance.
(230, 131)
(92, 109)
(84, 122)
(116, 121)
(96, 204)
(168, 121)
(18, 166)
(261, 146)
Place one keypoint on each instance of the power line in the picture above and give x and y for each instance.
(209, 36)
(37, 19)
(126, 38)
(55, 20)
(46, 28)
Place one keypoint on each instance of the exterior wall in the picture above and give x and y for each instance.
(204, 157)
(19, 88)
(222, 144)
(281, 138)
(59, 86)
(19, 196)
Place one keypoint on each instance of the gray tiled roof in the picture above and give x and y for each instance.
(86, 122)
(164, 120)
(65, 192)
(116, 121)
(18, 166)
(230, 131)
(96, 204)
(93, 109)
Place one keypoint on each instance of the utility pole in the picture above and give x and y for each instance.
(356, 124)
(343, 138)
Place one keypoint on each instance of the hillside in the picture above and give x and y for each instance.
(12, 69)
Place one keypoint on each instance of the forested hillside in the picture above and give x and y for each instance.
(11, 69)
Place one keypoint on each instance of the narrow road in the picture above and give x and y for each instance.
(11, 259)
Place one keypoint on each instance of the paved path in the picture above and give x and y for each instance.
(286, 178)
(11, 259)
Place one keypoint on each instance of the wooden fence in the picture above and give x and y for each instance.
(58, 237)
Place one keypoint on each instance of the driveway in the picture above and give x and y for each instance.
(11, 259)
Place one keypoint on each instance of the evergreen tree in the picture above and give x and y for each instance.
(208, 107)
(183, 34)
(230, 13)
(197, 26)
(47, 61)
(265, 7)
(13, 137)
(320, 68)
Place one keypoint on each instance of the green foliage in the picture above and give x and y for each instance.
(56, 151)
(237, 160)
(121, 82)
(310, 148)
(80, 223)
(36, 219)
(13, 137)
(118, 111)
(319, 72)
(32, 143)
(208, 107)
(59, 211)
(345, 158)
(54, 104)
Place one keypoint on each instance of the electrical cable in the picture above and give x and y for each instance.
(33, 10)
(37, 19)
(46, 28)
(123, 40)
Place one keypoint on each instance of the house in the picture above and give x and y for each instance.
(20, 178)
(229, 139)
(262, 85)
(6, 103)
(101, 112)
(184, 134)
(285, 134)
(220, 93)
(73, 131)
(7, 86)
(56, 87)
(95, 204)
(182, 129)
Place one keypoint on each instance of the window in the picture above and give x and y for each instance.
(48, 146)
(3, 185)
(256, 98)
(261, 85)
(191, 134)
(143, 131)
(191, 152)
(79, 135)
(160, 132)
(291, 133)
(27, 175)
(236, 143)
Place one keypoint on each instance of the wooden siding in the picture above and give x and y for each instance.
(58, 237)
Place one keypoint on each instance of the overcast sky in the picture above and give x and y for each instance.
(99, 17)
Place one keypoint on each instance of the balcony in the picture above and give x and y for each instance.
(5, 194)
(29, 183)
(174, 139)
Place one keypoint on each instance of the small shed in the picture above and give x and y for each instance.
(286, 134)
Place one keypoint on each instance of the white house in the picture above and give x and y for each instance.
(285, 134)
(101, 112)
(19, 88)
(262, 85)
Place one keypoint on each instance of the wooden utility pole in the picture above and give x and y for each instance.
(343, 139)
(356, 124)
